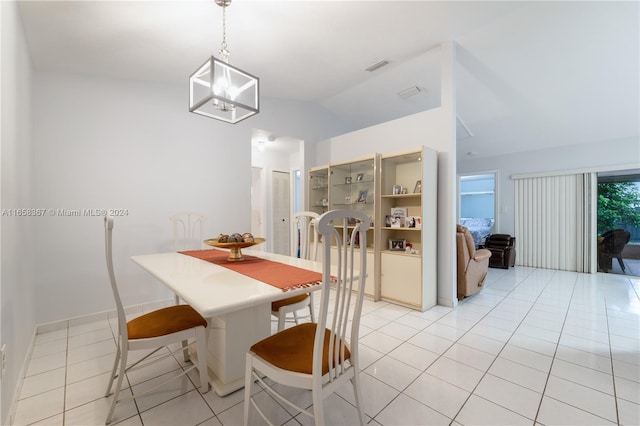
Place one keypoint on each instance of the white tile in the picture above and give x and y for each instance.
(431, 342)
(95, 412)
(375, 394)
(393, 372)
(40, 406)
(367, 356)
(95, 350)
(88, 390)
(380, 342)
(470, 356)
(336, 411)
(42, 382)
(583, 344)
(187, 409)
(627, 390)
(89, 338)
(518, 373)
(445, 331)
(414, 356)
(482, 343)
(554, 412)
(533, 344)
(439, 395)
(50, 336)
(479, 411)
(526, 357)
(539, 333)
(92, 367)
(587, 399)
(494, 333)
(398, 331)
(414, 321)
(373, 321)
(177, 386)
(407, 411)
(90, 326)
(582, 375)
(47, 363)
(455, 373)
(626, 370)
(509, 395)
(629, 412)
(47, 348)
(585, 359)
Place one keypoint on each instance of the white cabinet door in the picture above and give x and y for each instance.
(401, 279)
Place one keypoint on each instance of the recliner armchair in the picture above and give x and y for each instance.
(503, 250)
(472, 264)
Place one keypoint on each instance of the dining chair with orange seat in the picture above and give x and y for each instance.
(323, 356)
(154, 330)
(306, 234)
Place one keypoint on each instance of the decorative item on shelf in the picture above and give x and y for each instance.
(413, 222)
(324, 202)
(408, 248)
(347, 179)
(347, 199)
(396, 245)
(418, 188)
(397, 189)
(359, 177)
(362, 196)
(221, 91)
(234, 242)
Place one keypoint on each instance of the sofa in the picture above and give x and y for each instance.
(472, 264)
(503, 250)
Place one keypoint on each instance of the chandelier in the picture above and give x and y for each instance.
(219, 90)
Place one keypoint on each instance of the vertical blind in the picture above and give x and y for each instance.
(555, 221)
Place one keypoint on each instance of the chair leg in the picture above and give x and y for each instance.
(621, 263)
(295, 317)
(355, 381)
(201, 348)
(311, 314)
(281, 318)
(248, 381)
(318, 410)
(113, 370)
(116, 393)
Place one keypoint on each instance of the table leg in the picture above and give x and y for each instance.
(229, 338)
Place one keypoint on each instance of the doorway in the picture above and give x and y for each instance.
(273, 188)
(618, 221)
(477, 204)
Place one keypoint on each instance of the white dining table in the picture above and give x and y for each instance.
(237, 307)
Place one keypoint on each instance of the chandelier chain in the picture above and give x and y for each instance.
(224, 52)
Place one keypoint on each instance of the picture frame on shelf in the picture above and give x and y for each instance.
(362, 196)
(399, 211)
(413, 222)
(347, 179)
(397, 189)
(418, 188)
(396, 244)
(359, 177)
(347, 199)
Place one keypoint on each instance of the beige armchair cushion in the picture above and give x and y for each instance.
(472, 264)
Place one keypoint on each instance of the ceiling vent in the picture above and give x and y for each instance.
(377, 65)
(411, 91)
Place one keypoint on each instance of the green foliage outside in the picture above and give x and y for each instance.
(618, 204)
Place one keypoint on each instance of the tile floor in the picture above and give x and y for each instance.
(535, 347)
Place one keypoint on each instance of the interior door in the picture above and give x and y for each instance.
(281, 208)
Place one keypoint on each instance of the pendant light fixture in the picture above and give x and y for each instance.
(220, 90)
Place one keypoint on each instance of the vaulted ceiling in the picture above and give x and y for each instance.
(530, 75)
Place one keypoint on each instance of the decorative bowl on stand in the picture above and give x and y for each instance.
(235, 254)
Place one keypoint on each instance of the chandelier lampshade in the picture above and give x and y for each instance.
(221, 91)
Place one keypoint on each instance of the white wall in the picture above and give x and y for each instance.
(434, 128)
(104, 143)
(600, 155)
(17, 312)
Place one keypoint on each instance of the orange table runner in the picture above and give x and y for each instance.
(284, 277)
